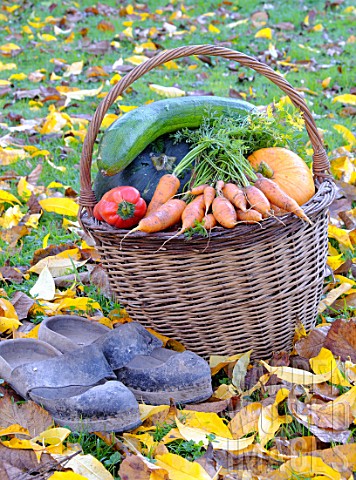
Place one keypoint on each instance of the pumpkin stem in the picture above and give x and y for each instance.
(126, 210)
(266, 170)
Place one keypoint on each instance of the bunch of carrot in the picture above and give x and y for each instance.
(226, 204)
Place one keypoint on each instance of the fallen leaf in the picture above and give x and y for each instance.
(347, 98)
(295, 375)
(240, 370)
(62, 206)
(170, 92)
(45, 287)
(325, 362)
(333, 295)
(246, 420)
(264, 33)
(269, 420)
(198, 435)
(341, 339)
(137, 467)
(179, 468)
(8, 316)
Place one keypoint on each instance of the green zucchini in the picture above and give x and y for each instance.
(129, 135)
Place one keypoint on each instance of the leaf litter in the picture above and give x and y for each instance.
(281, 418)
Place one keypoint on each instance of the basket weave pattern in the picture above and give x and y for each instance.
(240, 289)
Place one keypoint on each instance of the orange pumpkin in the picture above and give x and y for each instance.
(287, 169)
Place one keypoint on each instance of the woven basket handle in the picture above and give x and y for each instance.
(87, 199)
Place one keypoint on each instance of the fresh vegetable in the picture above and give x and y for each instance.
(221, 145)
(235, 195)
(279, 198)
(198, 190)
(145, 171)
(209, 221)
(166, 189)
(209, 195)
(130, 134)
(192, 214)
(250, 216)
(224, 212)
(257, 200)
(164, 217)
(121, 207)
(287, 170)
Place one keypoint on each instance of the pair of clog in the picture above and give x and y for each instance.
(89, 377)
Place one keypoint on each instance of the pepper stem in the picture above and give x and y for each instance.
(126, 210)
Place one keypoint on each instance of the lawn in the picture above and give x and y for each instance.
(59, 60)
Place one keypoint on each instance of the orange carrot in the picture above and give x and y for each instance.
(193, 213)
(279, 198)
(167, 187)
(209, 195)
(209, 221)
(277, 210)
(198, 190)
(224, 212)
(235, 195)
(164, 217)
(257, 199)
(250, 216)
(219, 186)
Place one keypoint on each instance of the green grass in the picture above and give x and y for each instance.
(338, 26)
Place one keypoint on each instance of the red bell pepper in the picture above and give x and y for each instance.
(121, 207)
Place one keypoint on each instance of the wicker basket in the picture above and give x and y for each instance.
(243, 288)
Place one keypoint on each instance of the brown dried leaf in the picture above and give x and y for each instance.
(341, 457)
(96, 71)
(310, 346)
(135, 467)
(284, 26)
(260, 18)
(11, 274)
(33, 204)
(13, 234)
(100, 279)
(22, 304)
(98, 48)
(33, 177)
(23, 465)
(341, 339)
(105, 26)
(209, 407)
(51, 250)
(29, 415)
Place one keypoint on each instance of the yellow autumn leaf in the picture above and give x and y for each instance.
(333, 295)
(211, 423)
(180, 468)
(341, 235)
(220, 443)
(46, 37)
(350, 371)
(213, 29)
(317, 28)
(11, 155)
(115, 79)
(6, 197)
(128, 32)
(326, 82)
(83, 304)
(50, 441)
(296, 375)
(23, 189)
(67, 476)
(147, 411)
(171, 65)
(14, 429)
(346, 133)
(127, 108)
(264, 33)
(217, 362)
(170, 92)
(62, 206)
(18, 76)
(343, 279)
(335, 261)
(33, 333)
(342, 167)
(347, 98)
(58, 264)
(7, 66)
(309, 466)
(11, 217)
(87, 465)
(325, 362)
(270, 421)
(61, 168)
(3, 18)
(246, 420)
(54, 123)
(8, 49)
(45, 287)
(4, 83)
(75, 68)
(108, 120)
(9, 319)
(79, 94)
(33, 220)
(137, 59)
